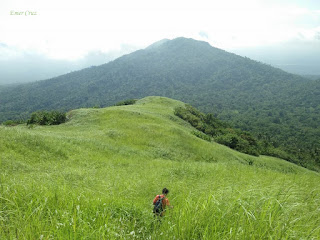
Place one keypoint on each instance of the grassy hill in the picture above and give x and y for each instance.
(95, 177)
(277, 107)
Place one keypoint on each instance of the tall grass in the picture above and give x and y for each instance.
(96, 176)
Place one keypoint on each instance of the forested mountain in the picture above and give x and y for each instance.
(281, 109)
(312, 77)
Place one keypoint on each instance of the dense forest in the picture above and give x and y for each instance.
(278, 108)
(213, 129)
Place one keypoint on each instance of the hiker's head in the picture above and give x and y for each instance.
(165, 191)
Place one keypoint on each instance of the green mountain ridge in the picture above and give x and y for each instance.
(96, 175)
(281, 108)
(191, 62)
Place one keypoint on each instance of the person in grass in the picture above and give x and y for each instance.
(160, 203)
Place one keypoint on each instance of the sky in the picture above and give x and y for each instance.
(72, 32)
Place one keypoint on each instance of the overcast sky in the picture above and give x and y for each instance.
(69, 30)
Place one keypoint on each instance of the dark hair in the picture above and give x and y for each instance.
(165, 191)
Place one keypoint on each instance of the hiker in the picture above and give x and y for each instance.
(160, 203)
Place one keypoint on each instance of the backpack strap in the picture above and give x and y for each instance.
(162, 198)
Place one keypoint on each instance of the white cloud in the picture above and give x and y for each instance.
(71, 29)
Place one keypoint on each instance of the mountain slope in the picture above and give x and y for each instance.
(280, 108)
(178, 67)
(96, 176)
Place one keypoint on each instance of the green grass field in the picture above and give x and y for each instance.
(95, 177)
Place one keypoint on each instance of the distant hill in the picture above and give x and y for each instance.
(278, 107)
(312, 77)
(30, 67)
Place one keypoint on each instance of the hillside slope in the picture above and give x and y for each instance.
(182, 68)
(281, 108)
(148, 128)
(96, 177)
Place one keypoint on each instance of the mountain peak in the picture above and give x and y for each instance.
(180, 41)
(158, 43)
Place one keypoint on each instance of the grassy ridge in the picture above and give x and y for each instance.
(95, 177)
